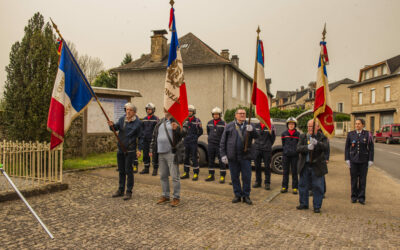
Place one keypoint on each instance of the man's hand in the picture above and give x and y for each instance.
(110, 123)
(370, 163)
(174, 125)
(249, 127)
(151, 154)
(348, 163)
(138, 153)
(310, 146)
(224, 159)
(313, 141)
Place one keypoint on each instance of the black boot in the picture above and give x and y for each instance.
(256, 185)
(145, 171)
(185, 176)
(154, 171)
(210, 177)
(267, 186)
(135, 169)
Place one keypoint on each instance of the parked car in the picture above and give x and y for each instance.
(388, 133)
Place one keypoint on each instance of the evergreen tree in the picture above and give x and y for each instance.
(106, 79)
(30, 79)
(127, 59)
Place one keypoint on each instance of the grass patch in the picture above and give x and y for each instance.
(93, 160)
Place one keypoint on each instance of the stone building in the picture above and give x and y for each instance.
(212, 79)
(341, 96)
(376, 95)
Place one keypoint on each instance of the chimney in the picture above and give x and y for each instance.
(225, 54)
(235, 60)
(158, 45)
(302, 88)
(312, 85)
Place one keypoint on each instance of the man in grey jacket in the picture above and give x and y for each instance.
(167, 135)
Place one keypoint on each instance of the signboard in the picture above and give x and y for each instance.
(96, 121)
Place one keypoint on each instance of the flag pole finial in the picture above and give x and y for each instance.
(172, 3)
(56, 28)
(324, 33)
(258, 30)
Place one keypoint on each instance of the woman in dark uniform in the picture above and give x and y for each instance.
(359, 156)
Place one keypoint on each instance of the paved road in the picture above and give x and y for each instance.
(387, 157)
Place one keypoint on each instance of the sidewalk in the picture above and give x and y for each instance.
(85, 216)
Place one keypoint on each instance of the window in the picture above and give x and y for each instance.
(241, 89)
(375, 72)
(395, 129)
(234, 85)
(184, 46)
(249, 88)
(340, 107)
(359, 97)
(384, 70)
(372, 95)
(387, 93)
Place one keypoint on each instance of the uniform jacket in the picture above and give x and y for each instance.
(228, 142)
(148, 125)
(289, 142)
(265, 138)
(214, 132)
(318, 154)
(128, 134)
(177, 136)
(195, 130)
(359, 148)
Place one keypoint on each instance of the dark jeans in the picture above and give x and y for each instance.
(191, 152)
(146, 156)
(125, 170)
(266, 157)
(358, 173)
(317, 187)
(290, 165)
(213, 152)
(244, 167)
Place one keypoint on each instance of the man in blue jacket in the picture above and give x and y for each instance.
(148, 124)
(129, 127)
(233, 153)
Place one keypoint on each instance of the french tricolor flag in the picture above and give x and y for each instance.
(71, 95)
(175, 97)
(259, 97)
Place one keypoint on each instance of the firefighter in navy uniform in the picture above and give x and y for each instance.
(290, 138)
(359, 156)
(148, 124)
(263, 145)
(215, 128)
(195, 130)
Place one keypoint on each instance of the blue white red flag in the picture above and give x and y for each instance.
(322, 109)
(175, 97)
(260, 97)
(71, 95)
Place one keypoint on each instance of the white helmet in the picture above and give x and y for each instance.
(291, 119)
(216, 110)
(150, 106)
(192, 109)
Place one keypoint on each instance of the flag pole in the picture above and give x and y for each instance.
(246, 144)
(93, 94)
(313, 128)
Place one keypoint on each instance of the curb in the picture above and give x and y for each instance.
(49, 188)
(89, 168)
(273, 195)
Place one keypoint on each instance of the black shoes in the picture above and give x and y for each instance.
(302, 207)
(154, 172)
(317, 210)
(118, 194)
(145, 171)
(247, 200)
(210, 177)
(353, 200)
(362, 202)
(236, 199)
(256, 185)
(128, 196)
(267, 186)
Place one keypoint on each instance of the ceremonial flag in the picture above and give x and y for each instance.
(71, 95)
(175, 98)
(322, 109)
(259, 96)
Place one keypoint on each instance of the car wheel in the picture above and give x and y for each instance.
(387, 140)
(202, 157)
(276, 163)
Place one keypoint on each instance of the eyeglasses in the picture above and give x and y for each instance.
(241, 113)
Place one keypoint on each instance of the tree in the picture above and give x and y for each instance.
(230, 113)
(90, 66)
(30, 79)
(105, 79)
(127, 59)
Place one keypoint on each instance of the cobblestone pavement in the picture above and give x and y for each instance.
(86, 217)
(21, 183)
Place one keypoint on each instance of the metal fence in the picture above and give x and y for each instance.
(31, 164)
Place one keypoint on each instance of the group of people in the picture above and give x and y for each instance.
(235, 145)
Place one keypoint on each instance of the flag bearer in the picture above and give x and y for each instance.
(195, 130)
(215, 128)
(290, 138)
(148, 124)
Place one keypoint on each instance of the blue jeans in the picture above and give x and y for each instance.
(306, 174)
(235, 168)
(125, 162)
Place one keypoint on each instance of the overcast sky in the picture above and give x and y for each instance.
(360, 32)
